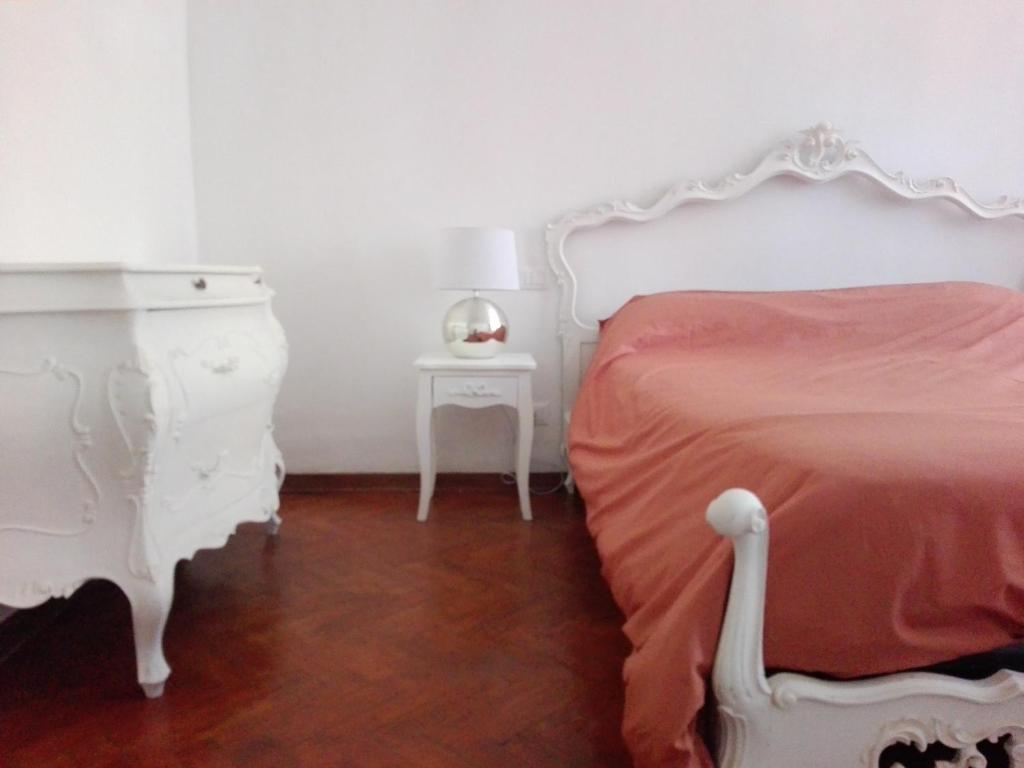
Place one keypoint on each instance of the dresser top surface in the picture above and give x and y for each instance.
(50, 267)
(117, 286)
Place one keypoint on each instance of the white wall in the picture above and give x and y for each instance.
(332, 138)
(95, 161)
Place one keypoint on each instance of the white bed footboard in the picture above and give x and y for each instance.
(795, 721)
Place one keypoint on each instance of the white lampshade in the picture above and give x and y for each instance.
(478, 259)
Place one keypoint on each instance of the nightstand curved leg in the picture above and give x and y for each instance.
(524, 447)
(425, 446)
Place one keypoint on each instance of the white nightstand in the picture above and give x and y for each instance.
(473, 383)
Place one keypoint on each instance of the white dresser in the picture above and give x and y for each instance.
(136, 406)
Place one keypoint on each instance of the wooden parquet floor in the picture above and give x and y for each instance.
(357, 638)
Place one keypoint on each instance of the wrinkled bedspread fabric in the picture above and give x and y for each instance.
(882, 427)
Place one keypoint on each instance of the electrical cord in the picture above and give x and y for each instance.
(509, 478)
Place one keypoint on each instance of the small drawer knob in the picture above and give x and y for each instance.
(199, 284)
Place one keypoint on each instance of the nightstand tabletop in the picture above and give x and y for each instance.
(510, 361)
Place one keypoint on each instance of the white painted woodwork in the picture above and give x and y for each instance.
(474, 383)
(138, 410)
(476, 392)
(524, 441)
(792, 720)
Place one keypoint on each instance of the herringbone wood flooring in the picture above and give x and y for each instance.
(358, 638)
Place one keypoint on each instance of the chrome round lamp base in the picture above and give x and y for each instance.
(475, 327)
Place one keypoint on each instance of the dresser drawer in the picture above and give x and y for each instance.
(89, 287)
(197, 288)
(476, 391)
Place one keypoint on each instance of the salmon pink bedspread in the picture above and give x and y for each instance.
(882, 427)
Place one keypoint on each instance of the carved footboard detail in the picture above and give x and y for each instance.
(794, 721)
(968, 746)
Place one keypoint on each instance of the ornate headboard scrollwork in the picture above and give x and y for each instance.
(817, 154)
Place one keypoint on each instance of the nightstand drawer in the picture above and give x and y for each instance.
(475, 391)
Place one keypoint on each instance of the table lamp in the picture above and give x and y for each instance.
(477, 259)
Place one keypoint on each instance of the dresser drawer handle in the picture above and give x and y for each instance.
(199, 284)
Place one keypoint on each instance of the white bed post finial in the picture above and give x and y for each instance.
(739, 675)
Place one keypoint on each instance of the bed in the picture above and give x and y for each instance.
(877, 429)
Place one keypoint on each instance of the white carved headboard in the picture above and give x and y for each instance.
(817, 154)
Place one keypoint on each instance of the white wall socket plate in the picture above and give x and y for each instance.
(533, 278)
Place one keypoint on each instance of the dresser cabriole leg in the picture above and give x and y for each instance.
(273, 524)
(151, 605)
